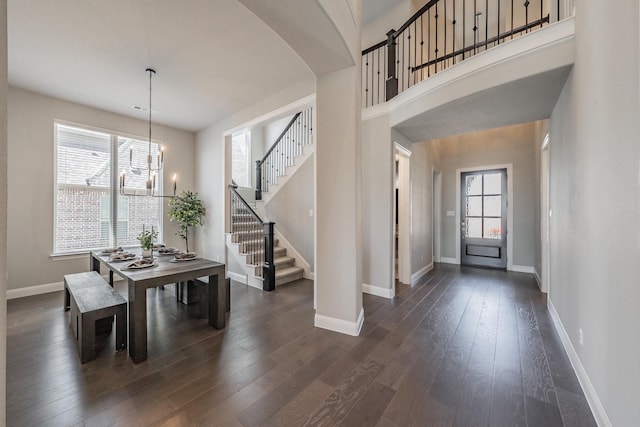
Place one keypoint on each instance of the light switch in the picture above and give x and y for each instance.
(310, 212)
(451, 213)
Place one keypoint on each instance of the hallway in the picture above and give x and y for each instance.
(466, 347)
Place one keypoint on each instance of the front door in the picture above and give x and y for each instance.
(483, 218)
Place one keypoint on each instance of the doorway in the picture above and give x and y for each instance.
(402, 214)
(436, 209)
(545, 213)
(483, 218)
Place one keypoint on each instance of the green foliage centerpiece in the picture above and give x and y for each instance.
(146, 241)
(187, 210)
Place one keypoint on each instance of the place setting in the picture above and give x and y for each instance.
(121, 256)
(141, 264)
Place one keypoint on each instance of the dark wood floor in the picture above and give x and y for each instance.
(466, 347)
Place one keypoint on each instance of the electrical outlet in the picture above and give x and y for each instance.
(580, 337)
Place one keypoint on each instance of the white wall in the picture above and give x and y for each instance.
(31, 186)
(377, 205)
(289, 209)
(211, 176)
(513, 144)
(3, 209)
(595, 199)
(424, 157)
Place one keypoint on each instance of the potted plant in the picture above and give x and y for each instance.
(146, 241)
(187, 210)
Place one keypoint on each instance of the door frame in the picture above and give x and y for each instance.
(436, 212)
(545, 221)
(404, 213)
(509, 168)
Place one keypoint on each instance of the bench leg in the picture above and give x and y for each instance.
(66, 298)
(87, 338)
(73, 318)
(121, 328)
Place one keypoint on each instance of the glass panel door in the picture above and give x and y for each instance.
(483, 230)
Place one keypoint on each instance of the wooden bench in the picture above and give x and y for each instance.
(90, 298)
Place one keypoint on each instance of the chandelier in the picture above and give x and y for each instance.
(151, 185)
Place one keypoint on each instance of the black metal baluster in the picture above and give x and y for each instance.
(498, 33)
(435, 70)
(378, 78)
(366, 79)
(486, 25)
(421, 48)
(415, 48)
(541, 13)
(453, 24)
(444, 24)
(511, 19)
(475, 27)
(429, 43)
(464, 28)
(526, 16)
(408, 56)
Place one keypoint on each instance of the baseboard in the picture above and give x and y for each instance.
(340, 325)
(378, 291)
(589, 392)
(447, 260)
(538, 279)
(522, 269)
(45, 289)
(242, 278)
(34, 290)
(309, 275)
(415, 277)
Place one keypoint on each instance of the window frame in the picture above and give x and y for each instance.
(247, 142)
(113, 185)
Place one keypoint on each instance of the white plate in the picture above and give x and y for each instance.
(183, 259)
(136, 266)
(130, 257)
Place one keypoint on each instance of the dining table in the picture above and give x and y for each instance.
(165, 270)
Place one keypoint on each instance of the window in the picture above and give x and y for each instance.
(89, 211)
(241, 158)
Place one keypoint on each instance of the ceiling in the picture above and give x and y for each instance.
(212, 58)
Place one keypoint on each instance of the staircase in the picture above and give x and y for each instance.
(250, 239)
(246, 243)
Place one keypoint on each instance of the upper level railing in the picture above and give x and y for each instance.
(441, 34)
(282, 153)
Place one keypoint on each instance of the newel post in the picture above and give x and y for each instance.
(258, 179)
(268, 268)
(392, 78)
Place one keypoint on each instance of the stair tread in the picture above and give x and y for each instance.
(288, 271)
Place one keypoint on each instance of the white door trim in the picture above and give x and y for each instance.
(509, 168)
(544, 215)
(404, 213)
(437, 211)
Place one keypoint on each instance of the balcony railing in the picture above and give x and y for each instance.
(441, 34)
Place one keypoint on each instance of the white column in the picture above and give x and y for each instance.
(338, 263)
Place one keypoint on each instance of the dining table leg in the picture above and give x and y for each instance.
(94, 263)
(217, 300)
(137, 322)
